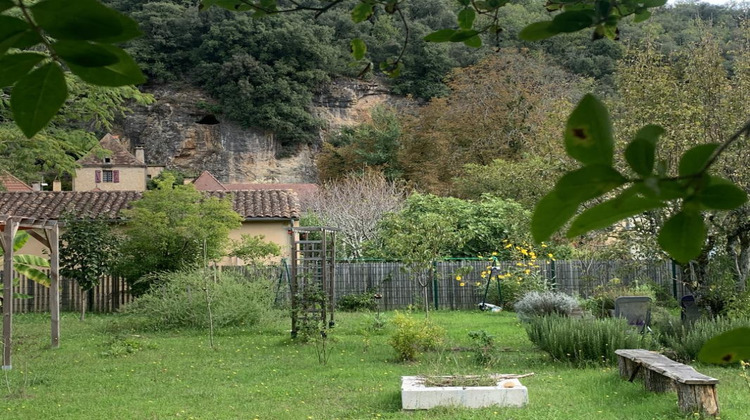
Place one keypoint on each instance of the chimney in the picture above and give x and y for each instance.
(56, 185)
(36, 186)
(140, 154)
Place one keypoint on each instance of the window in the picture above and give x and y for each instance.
(107, 160)
(106, 175)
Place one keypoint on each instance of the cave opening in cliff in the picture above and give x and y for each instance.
(209, 119)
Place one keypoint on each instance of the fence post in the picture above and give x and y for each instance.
(674, 279)
(434, 285)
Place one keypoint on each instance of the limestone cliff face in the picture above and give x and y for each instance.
(180, 131)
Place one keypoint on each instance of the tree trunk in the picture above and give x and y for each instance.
(84, 293)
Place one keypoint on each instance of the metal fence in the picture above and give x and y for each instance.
(394, 281)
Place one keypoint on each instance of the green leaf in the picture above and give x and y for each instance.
(640, 17)
(33, 274)
(664, 189)
(728, 347)
(37, 97)
(463, 35)
(573, 21)
(84, 20)
(609, 212)
(443, 35)
(20, 240)
(359, 49)
(31, 260)
(473, 42)
(550, 214)
(587, 183)
(5, 5)
(362, 11)
(466, 18)
(588, 133)
(654, 3)
(722, 196)
(11, 30)
(538, 31)
(640, 153)
(15, 66)
(683, 236)
(693, 160)
(84, 54)
(124, 72)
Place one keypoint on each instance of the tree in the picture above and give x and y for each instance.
(171, 228)
(372, 145)
(507, 106)
(88, 250)
(254, 249)
(418, 239)
(355, 204)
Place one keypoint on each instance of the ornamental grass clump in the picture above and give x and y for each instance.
(535, 304)
(583, 342)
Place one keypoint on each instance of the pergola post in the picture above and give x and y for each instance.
(9, 232)
(53, 241)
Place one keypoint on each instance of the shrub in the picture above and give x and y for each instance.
(179, 299)
(685, 341)
(512, 291)
(483, 347)
(583, 342)
(534, 304)
(413, 337)
(358, 302)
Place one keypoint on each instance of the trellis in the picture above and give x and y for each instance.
(312, 282)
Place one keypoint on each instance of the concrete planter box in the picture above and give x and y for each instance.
(506, 393)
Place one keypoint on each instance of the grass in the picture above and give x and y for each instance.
(103, 369)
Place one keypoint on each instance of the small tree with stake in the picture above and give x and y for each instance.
(87, 253)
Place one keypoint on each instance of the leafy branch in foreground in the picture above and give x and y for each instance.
(589, 139)
(79, 36)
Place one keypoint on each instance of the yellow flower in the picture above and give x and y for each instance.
(544, 245)
(479, 283)
(519, 264)
(551, 256)
(494, 254)
(527, 271)
(462, 284)
(524, 251)
(458, 278)
(508, 246)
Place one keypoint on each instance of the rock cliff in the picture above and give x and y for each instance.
(180, 131)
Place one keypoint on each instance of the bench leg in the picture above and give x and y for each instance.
(698, 398)
(656, 382)
(628, 368)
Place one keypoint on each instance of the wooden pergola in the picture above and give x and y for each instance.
(48, 233)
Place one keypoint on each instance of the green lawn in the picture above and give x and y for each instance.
(259, 373)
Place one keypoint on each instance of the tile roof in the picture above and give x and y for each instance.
(207, 182)
(48, 205)
(10, 183)
(119, 155)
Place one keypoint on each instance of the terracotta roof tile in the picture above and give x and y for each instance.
(48, 205)
(10, 183)
(119, 156)
(207, 182)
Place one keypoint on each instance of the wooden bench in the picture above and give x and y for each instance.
(695, 392)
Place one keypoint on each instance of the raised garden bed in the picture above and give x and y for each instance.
(424, 392)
